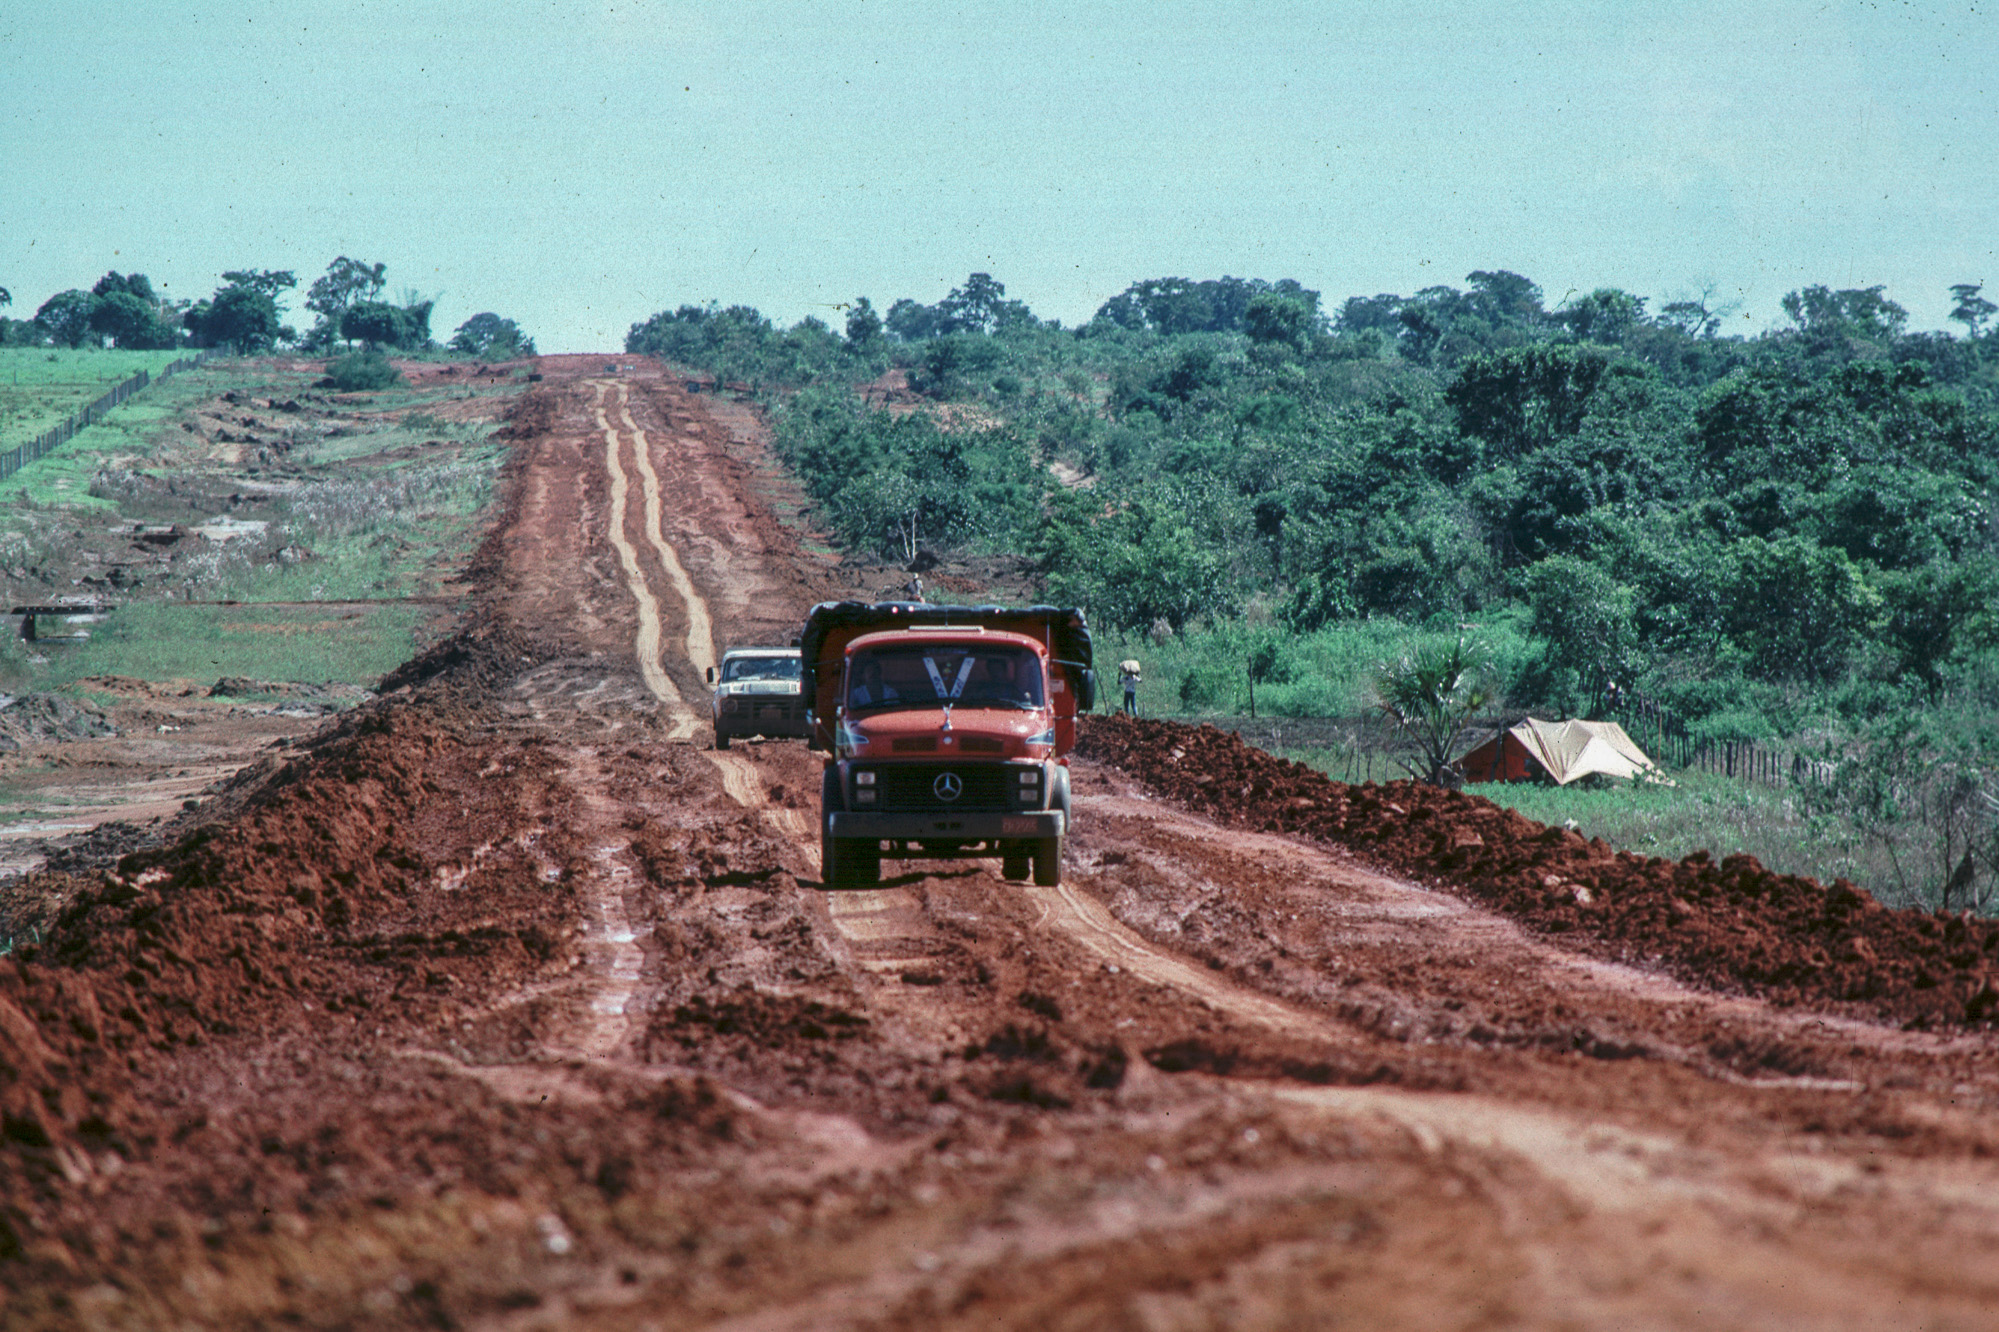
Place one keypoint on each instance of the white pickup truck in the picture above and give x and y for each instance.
(757, 693)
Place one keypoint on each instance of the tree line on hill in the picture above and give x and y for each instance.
(245, 316)
(1786, 533)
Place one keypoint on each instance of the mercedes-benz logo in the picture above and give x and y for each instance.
(948, 786)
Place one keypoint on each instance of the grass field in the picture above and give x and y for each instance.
(374, 502)
(1701, 812)
(40, 387)
(162, 641)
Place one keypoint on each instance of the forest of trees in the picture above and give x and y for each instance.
(245, 316)
(1782, 535)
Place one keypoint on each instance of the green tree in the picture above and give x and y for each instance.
(1606, 315)
(130, 321)
(239, 316)
(375, 324)
(1841, 323)
(65, 318)
(345, 282)
(980, 306)
(864, 326)
(1523, 398)
(1279, 320)
(1796, 609)
(1970, 308)
(491, 338)
(272, 282)
(1586, 619)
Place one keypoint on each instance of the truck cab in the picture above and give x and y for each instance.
(948, 730)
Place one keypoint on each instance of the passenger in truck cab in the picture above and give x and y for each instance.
(1003, 678)
(868, 688)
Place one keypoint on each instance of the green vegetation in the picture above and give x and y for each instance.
(41, 387)
(1786, 536)
(362, 372)
(164, 641)
(491, 338)
(245, 316)
(367, 508)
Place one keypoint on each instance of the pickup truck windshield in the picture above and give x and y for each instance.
(928, 677)
(760, 668)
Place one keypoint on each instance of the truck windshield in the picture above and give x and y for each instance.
(760, 668)
(926, 677)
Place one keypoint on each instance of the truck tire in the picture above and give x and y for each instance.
(1014, 864)
(843, 860)
(721, 738)
(1048, 862)
(832, 866)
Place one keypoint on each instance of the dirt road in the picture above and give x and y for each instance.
(512, 1003)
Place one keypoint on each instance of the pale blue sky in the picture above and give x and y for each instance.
(578, 166)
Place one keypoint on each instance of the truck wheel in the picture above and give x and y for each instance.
(721, 739)
(1014, 864)
(1048, 862)
(863, 861)
(832, 859)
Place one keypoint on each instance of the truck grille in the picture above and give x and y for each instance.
(777, 709)
(914, 785)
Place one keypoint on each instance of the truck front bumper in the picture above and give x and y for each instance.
(981, 825)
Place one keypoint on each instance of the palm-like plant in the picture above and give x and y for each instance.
(1431, 694)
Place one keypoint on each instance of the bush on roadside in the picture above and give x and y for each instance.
(361, 372)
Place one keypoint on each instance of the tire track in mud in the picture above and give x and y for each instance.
(647, 644)
(700, 626)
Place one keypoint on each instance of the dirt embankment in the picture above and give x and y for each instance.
(313, 898)
(1735, 926)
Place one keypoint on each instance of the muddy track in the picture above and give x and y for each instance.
(585, 1043)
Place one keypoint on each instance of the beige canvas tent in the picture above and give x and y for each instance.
(1564, 750)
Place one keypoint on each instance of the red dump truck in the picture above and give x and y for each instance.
(948, 728)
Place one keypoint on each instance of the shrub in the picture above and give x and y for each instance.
(361, 372)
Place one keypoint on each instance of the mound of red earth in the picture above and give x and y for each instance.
(299, 904)
(1733, 926)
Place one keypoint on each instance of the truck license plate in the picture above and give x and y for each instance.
(1017, 827)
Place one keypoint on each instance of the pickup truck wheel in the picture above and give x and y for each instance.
(721, 739)
(1048, 862)
(1014, 865)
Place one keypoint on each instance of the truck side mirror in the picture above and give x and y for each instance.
(1086, 690)
(711, 675)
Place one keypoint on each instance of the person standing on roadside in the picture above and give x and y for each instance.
(1127, 673)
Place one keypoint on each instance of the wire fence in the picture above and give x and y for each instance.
(42, 445)
(1368, 747)
(1664, 735)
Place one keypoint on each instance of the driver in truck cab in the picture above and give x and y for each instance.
(869, 688)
